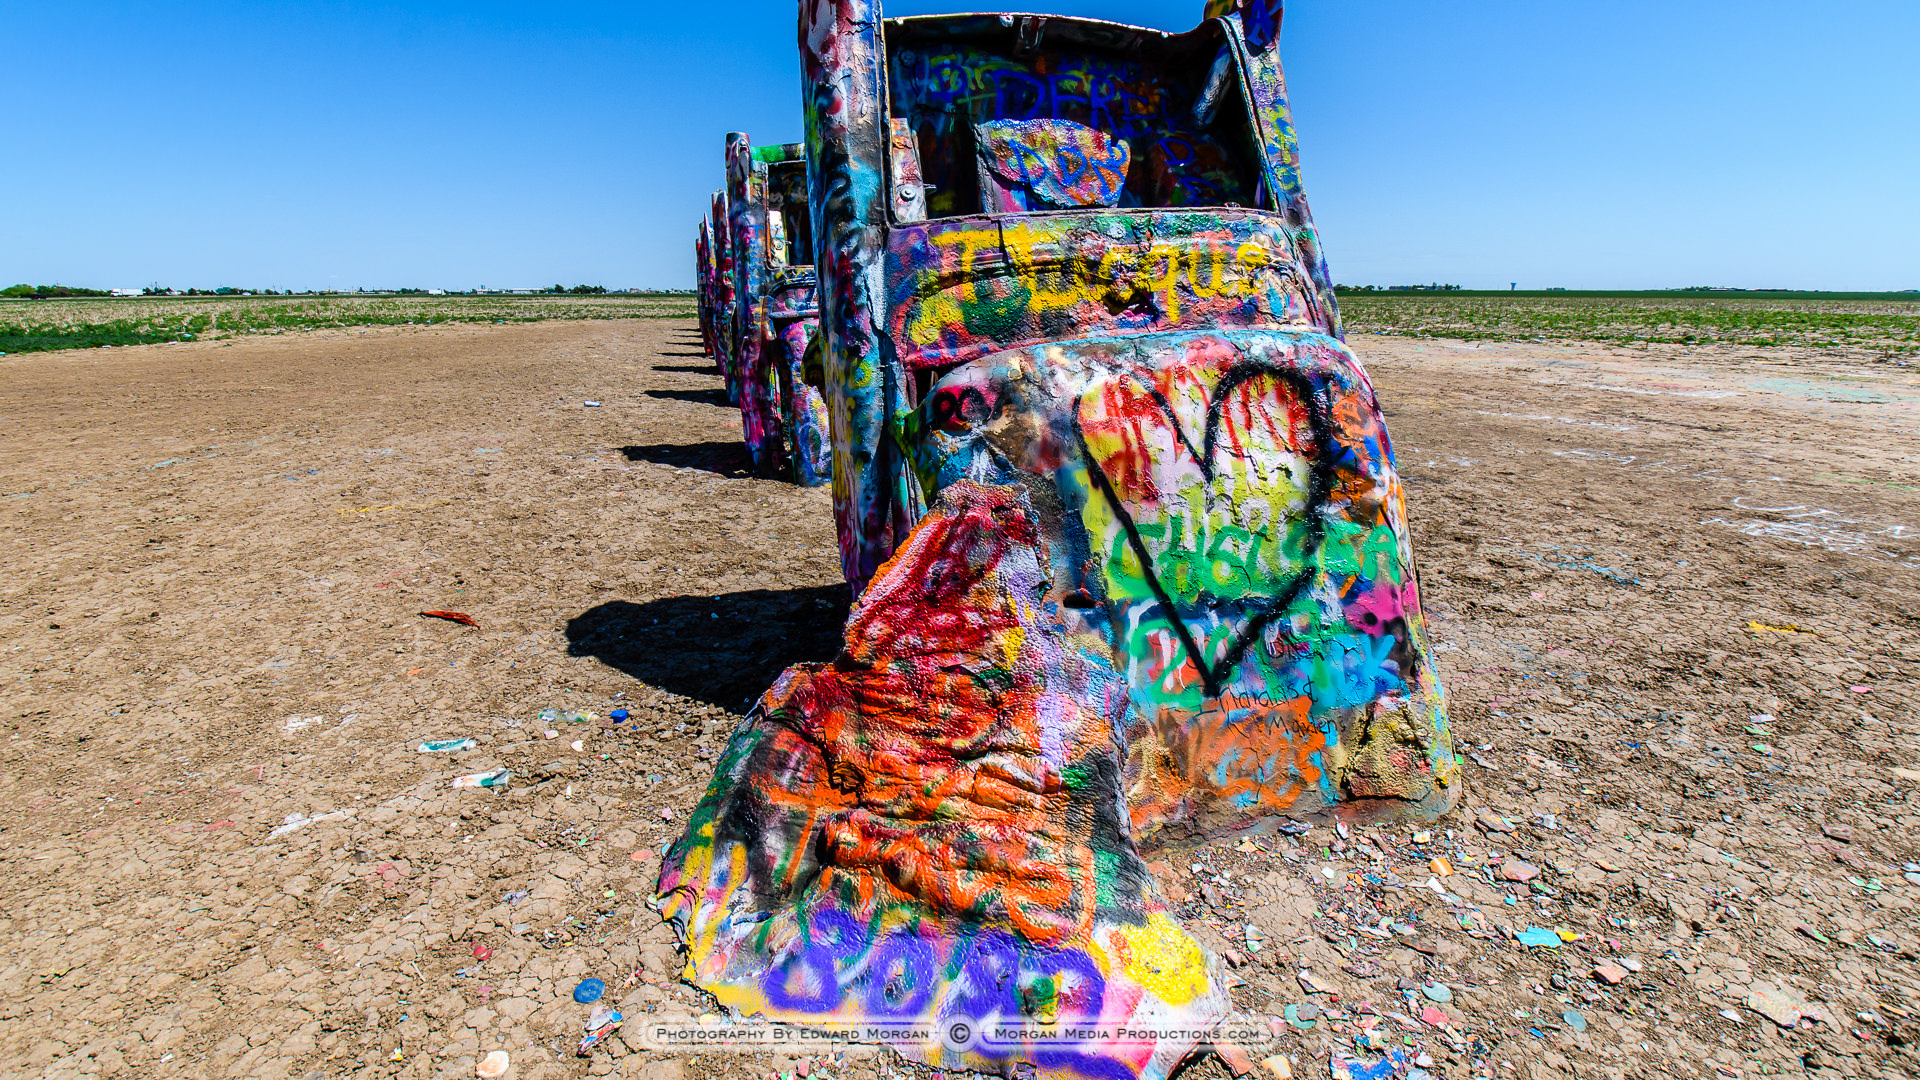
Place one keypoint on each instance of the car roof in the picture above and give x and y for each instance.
(1066, 29)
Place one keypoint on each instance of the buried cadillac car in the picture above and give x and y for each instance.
(704, 274)
(1120, 510)
(775, 312)
(716, 291)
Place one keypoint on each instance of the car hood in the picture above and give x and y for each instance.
(1224, 522)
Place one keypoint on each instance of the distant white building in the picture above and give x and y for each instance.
(126, 292)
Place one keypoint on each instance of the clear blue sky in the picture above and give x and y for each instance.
(1626, 144)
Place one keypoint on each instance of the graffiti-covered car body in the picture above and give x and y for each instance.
(703, 287)
(717, 290)
(1121, 514)
(1076, 258)
(776, 311)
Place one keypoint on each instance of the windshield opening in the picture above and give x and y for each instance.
(789, 233)
(991, 118)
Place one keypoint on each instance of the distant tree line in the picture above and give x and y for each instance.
(48, 292)
(224, 290)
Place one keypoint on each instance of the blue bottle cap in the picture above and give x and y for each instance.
(589, 990)
(619, 715)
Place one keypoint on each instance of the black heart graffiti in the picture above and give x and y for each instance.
(1314, 393)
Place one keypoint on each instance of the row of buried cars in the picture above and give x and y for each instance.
(1042, 299)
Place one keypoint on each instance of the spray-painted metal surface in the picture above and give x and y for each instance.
(1121, 510)
(752, 380)
(720, 291)
(793, 315)
(703, 286)
(775, 312)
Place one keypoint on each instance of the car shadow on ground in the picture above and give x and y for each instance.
(715, 396)
(688, 369)
(728, 459)
(724, 650)
(698, 354)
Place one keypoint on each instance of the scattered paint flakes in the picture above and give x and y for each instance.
(1535, 937)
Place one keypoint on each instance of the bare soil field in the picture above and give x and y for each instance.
(1674, 592)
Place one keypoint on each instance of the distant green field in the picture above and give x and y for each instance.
(41, 325)
(1874, 324)
(1885, 324)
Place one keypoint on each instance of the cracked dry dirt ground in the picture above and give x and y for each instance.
(214, 556)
